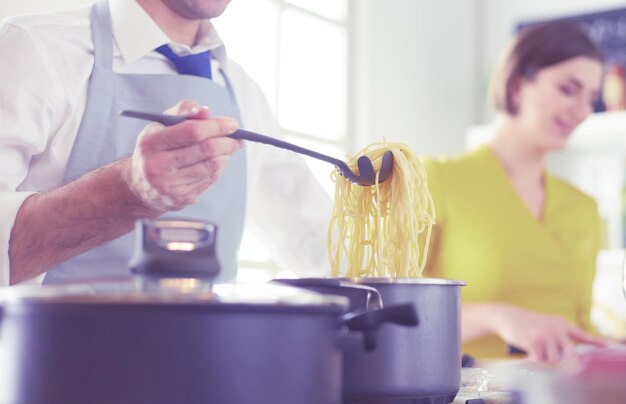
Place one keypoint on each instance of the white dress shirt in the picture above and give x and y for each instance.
(44, 75)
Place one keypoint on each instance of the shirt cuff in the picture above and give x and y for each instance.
(10, 203)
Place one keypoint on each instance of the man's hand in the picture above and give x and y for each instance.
(171, 166)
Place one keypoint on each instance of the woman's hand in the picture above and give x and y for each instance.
(545, 338)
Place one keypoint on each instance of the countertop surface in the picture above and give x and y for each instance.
(596, 375)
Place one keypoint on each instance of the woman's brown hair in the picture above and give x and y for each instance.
(536, 48)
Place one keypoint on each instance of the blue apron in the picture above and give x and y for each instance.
(104, 137)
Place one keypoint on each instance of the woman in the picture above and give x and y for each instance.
(525, 241)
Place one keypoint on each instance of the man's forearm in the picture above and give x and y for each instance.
(55, 226)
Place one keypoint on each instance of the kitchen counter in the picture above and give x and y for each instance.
(598, 375)
(487, 398)
(486, 385)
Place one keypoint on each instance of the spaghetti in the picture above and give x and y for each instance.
(382, 230)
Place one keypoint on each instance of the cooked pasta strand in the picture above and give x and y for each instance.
(374, 230)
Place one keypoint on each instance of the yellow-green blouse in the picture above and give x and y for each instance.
(486, 236)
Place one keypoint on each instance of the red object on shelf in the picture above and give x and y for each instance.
(603, 362)
(614, 88)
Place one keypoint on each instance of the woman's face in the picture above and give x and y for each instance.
(556, 100)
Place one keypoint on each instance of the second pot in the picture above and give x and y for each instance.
(420, 365)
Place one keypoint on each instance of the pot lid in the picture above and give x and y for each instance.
(171, 291)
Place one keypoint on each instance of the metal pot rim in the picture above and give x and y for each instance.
(407, 281)
(127, 293)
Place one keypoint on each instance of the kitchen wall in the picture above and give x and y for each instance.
(421, 67)
(416, 65)
(8, 8)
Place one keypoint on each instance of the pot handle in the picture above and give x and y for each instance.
(369, 322)
(373, 301)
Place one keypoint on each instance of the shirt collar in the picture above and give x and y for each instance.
(136, 34)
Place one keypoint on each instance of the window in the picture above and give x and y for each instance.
(297, 51)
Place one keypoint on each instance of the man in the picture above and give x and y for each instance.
(75, 176)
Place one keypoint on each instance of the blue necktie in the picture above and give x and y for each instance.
(198, 64)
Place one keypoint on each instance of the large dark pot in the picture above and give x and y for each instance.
(261, 344)
(418, 365)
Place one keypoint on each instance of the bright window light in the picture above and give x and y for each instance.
(297, 51)
(312, 85)
(250, 30)
(334, 9)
